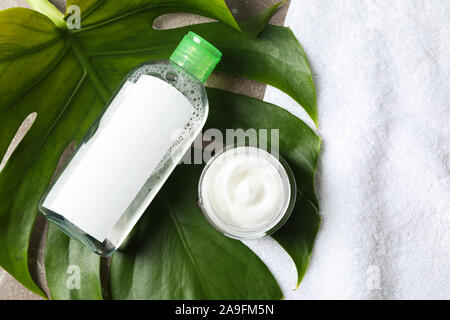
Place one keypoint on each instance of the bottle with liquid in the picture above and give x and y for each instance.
(132, 147)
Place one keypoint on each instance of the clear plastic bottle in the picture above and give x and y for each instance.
(132, 148)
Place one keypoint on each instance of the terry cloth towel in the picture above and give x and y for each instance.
(382, 74)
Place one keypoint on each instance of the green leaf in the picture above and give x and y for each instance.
(298, 145)
(98, 13)
(176, 254)
(254, 25)
(66, 77)
(72, 272)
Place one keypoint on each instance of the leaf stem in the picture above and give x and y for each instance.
(48, 9)
(85, 62)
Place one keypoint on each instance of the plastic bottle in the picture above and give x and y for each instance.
(132, 147)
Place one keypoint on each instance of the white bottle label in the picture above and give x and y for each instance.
(110, 169)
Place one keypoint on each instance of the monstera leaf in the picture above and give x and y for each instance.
(66, 77)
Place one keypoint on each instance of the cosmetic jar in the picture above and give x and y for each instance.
(246, 192)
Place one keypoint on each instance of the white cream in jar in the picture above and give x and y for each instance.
(246, 192)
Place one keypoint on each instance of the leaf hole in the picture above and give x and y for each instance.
(177, 20)
(64, 158)
(18, 137)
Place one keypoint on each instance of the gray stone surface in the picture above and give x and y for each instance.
(9, 287)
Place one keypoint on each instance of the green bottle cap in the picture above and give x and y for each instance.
(196, 55)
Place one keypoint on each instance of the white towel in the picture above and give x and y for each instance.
(382, 71)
